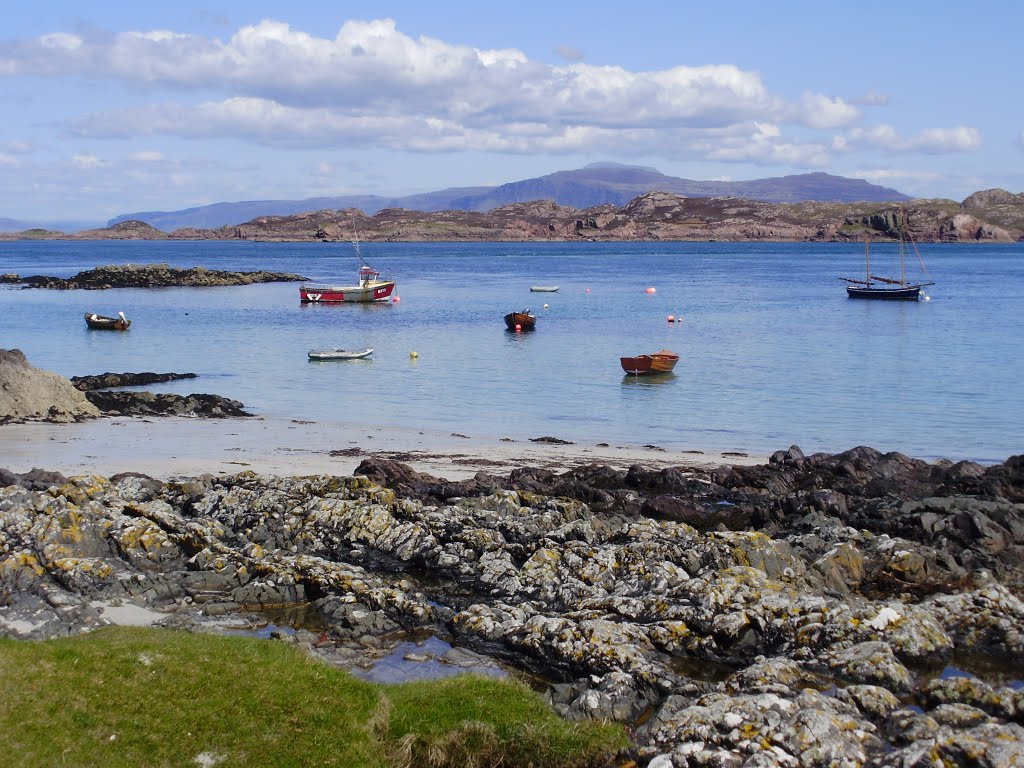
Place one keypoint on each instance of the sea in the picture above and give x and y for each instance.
(772, 352)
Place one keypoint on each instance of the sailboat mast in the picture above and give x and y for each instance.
(867, 261)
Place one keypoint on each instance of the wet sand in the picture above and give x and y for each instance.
(188, 447)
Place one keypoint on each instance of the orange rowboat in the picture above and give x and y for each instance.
(662, 361)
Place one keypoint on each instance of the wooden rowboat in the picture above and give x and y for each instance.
(662, 361)
(339, 354)
(102, 323)
(520, 321)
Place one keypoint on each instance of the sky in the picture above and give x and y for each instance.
(121, 106)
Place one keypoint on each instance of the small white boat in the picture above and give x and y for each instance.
(543, 288)
(339, 354)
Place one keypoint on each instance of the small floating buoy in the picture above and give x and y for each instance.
(545, 306)
(652, 289)
(396, 299)
(519, 327)
(587, 291)
(414, 354)
(671, 318)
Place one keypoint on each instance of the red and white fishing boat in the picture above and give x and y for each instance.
(369, 287)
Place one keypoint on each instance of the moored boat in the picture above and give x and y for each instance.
(103, 323)
(339, 354)
(887, 288)
(543, 288)
(662, 361)
(520, 321)
(369, 287)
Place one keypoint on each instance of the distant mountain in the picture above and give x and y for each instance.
(596, 184)
(17, 225)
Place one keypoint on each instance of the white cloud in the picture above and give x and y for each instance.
(18, 147)
(87, 161)
(371, 86)
(818, 111)
(323, 170)
(371, 73)
(932, 141)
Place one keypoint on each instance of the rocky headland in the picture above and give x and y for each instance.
(149, 276)
(803, 612)
(988, 216)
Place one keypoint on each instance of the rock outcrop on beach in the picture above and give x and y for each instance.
(31, 394)
(151, 276)
(114, 403)
(797, 613)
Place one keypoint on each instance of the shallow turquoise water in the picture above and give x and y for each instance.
(772, 352)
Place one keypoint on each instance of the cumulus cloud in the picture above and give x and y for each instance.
(818, 111)
(372, 72)
(370, 85)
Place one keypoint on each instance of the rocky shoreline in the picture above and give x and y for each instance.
(802, 612)
(28, 393)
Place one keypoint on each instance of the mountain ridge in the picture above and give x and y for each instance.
(594, 184)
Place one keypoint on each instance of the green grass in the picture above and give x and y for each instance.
(154, 698)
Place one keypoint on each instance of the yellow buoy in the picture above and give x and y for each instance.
(414, 354)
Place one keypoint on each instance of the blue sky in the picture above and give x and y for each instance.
(117, 107)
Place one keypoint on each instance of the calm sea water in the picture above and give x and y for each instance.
(772, 352)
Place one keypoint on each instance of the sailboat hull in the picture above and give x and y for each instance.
(905, 293)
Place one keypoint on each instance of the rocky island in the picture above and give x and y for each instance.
(149, 276)
(988, 216)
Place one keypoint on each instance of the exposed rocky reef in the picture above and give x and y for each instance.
(31, 394)
(208, 406)
(805, 612)
(108, 380)
(150, 276)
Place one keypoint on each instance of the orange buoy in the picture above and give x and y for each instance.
(652, 289)
(396, 299)
(671, 318)
(519, 327)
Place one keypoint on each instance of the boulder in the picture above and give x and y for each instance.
(31, 394)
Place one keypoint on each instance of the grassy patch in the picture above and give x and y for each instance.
(147, 697)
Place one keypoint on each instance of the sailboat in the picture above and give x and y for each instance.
(890, 288)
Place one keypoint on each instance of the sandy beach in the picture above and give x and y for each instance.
(187, 447)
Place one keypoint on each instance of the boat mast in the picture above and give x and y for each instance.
(903, 266)
(867, 260)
